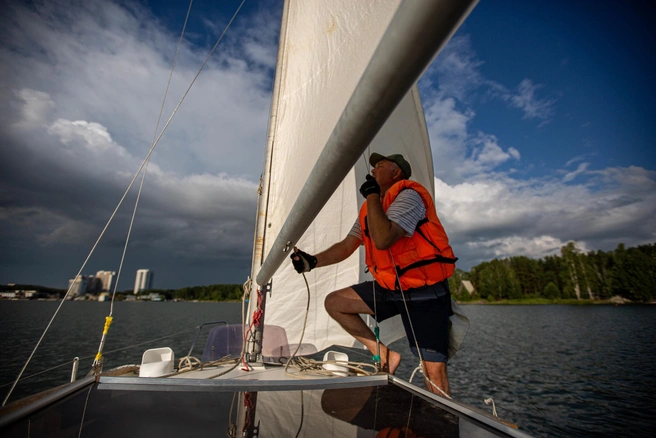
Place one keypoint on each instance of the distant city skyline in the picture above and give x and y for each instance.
(107, 279)
(102, 281)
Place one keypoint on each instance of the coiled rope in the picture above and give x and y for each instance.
(189, 363)
(310, 368)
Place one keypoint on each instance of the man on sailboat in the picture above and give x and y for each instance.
(408, 254)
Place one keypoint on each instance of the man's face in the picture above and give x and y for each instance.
(386, 173)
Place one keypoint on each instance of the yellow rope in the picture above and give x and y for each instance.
(108, 322)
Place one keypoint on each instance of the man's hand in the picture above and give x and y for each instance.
(302, 261)
(369, 187)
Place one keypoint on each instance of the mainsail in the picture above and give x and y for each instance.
(324, 49)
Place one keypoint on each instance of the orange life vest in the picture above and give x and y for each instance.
(423, 259)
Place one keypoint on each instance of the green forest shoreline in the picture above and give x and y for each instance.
(621, 276)
(573, 277)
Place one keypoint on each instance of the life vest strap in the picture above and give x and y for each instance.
(420, 263)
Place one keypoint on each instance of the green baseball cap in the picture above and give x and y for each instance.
(396, 158)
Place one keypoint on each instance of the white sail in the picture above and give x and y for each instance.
(325, 47)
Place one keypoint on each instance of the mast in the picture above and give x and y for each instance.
(263, 190)
(416, 33)
(255, 348)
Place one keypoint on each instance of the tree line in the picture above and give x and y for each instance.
(212, 292)
(597, 275)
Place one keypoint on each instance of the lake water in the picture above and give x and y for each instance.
(553, 370)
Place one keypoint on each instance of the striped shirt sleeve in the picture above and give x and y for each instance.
(406, 210)
(356, 230)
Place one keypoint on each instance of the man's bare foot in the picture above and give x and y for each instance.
(392, 363)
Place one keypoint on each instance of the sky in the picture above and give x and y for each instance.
(540, 116)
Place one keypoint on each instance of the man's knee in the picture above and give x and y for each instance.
(344, 301)
(331, 302)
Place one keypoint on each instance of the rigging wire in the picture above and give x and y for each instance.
(68, 363)
(97, 363)
(376, 358)
(159, 118)
(84, 411)
(421, 360)
(143, 164)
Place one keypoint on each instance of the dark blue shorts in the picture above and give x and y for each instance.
(429, 308)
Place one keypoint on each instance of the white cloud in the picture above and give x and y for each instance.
(498, 216)
(92, 136)
(579, 170)
(456, 70)
(486, 155)
(574, 160)
(112, 68)
(534, 247)
(527, 101)
(36, 107)
(86, 87)
(460, 154)
(490, 211)
(92, 158)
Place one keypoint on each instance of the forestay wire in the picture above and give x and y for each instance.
(102, 233)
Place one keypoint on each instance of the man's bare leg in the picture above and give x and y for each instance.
(436, 372)
(345, 307)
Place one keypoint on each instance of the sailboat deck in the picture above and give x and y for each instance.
(265, 402)
(259, 378)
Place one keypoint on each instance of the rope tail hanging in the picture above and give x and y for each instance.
(376, 358)
(421, 359)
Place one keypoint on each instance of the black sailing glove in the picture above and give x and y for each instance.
(302, 261)
(369, 187)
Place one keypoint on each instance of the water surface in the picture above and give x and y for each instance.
(553, 370)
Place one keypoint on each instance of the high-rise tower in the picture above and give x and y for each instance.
(144, 280)
(107, 280)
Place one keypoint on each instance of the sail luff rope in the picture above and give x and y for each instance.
(97, 363)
